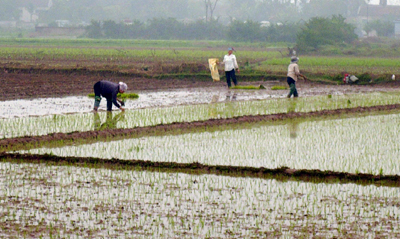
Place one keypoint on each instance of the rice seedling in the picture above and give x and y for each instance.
(121, 95)
(354, 145)
(279, 87)
(248, 87)
(29, 126)
(74, 202)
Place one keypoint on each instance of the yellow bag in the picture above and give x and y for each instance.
(213, 64)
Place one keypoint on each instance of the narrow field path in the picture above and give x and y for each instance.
(281, 174)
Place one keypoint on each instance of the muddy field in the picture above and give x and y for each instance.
(40, 85)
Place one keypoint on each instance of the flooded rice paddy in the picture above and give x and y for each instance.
(14, 124)
(147, 99)
(77, 202)
(354, 145)
(80, 201)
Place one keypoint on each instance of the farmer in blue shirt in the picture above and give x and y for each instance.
(108, 90)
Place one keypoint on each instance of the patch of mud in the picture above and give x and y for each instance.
(25, 85)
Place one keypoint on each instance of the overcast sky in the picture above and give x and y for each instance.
(390, 2)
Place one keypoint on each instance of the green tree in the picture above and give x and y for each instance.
(382, 28)
(282, 33)
(247, 31)
(94, 30)
(165, 28)
(320, 31)
(111, 29)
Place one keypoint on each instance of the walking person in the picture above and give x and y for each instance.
(292, 76)
(108, 90)
(230, 66)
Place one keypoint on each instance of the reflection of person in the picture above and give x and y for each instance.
(230, 66)
(231, 96)
(292, 76)
(293, 123)
(293, 127)
(111, 122)
(108, 90)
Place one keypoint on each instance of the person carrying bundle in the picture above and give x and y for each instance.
(230, 66)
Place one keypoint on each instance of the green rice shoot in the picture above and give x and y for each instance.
(248, 87)
(279, 87)
(121, 96)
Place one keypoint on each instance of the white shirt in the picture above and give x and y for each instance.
(230, 62)
(293, 71)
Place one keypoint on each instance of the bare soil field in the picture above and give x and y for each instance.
(22, 85)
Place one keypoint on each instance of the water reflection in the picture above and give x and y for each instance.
(293, 124)
(214, 99)
(291, 106)
(231, 95)
(111, 122)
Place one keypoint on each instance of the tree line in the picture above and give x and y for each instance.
(310, 35)
(172, 29)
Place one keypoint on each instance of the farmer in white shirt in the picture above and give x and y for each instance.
(292, 76)
(230, 66)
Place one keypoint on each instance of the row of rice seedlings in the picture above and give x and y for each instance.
(188, 113)
(73, 202)
(355, 145)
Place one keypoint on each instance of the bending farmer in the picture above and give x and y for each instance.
(230, 66)
(108, 90)
(292, 76)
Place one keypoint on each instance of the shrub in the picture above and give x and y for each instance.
(382, 28)
(248, 31)
(319, 31)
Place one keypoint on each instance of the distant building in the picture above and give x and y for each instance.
(397, 28)
(63, 23)
(367, 13)
(265, 24)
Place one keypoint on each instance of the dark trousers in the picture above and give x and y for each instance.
(229, 75)
(292, 85)
(97, 97)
